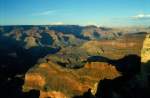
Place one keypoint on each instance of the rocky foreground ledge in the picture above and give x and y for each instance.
(53, 80)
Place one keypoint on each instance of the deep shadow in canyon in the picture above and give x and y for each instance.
(14, 63)
(126, 86)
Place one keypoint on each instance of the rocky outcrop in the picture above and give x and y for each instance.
(95, 33)
(33, 80)
(146, 49)
(114, 48)
(30, 42)
(96, 50)
(53, 94)
(57, 82)
(145, 59)
(15, 33)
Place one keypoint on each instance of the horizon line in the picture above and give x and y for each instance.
(72, 25)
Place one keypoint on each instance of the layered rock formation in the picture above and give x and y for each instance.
(145, 53)
(73, 59)
(128, 44)
(54, 80)
(68, 82)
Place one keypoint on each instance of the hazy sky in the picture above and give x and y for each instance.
(82, 12)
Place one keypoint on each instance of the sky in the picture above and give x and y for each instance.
(75, 12)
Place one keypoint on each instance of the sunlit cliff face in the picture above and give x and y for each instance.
(31, 78)
(145, 53)
(57, 82)
(145, 59)
(53, 94)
